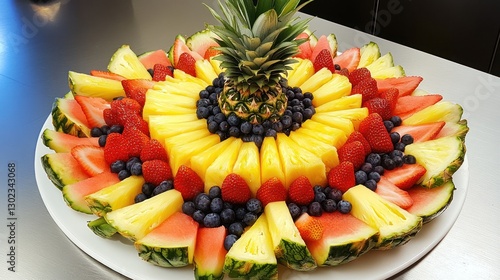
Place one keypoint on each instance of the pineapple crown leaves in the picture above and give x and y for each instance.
(257, 41)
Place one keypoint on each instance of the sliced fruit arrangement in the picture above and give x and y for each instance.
(235, 153)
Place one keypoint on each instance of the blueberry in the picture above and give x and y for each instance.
(95, 132)
(395, 137)
(188, 208)
(213, 97)
(204, 102)
(398, 161)
(374, 159)
(400, 146)
(258, 129)
(396, 120)
(123, 174)
(366, 167)
(396, 153)
(210, 89)
(234, 131)
(294, 102)
(250, 218)
(286, 120)
(297, 117)
(202, 112)
(102, 140)
(214, 192)
(229, 241)
(198, 216)
(116, 128)
(211, 220)
(388, 125)
(131, 161)
(140, 197)
(371, 184)
(374, 176)
(344, 206)
(409, 159)
(213, 126)
(136, 168)
(315, 209)
(277, 126)
(224, 126)
(254, 205)
(329, 205)
(360, 177)
(246, 127)
(233, 120)
(227, 216)
(236, 228)
(308, 113)
(309, 95)
(167, 184)
(257, 139)
(299, 95)
(388, 163)
(240, 213)
(105, 129)
(202, 202)
(159, 189)
(147, 189)
(379, 169)
(219, 117)
(228, 205)
(407, 139)
(319, 196)
(317, 189)
(295, 126)
(294, 210)
(335, 194)
(204, 93)
(307, 102)
(216, 205)
(117, 166)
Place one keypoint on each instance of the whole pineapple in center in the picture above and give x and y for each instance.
(257, 42)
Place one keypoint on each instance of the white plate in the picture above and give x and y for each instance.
(120, 255)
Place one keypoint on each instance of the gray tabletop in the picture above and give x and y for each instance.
(39, 44)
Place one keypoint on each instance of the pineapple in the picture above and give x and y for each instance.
(87, 85)
(337, 87)
(270, 164)
(247, 165)
(345, 102)
(327, 153)
(336, 122)
(205, 70)
(336, 136)
(181, 152)
(222, 165)
(355, 115)
(161, 129)
(302, 72)
(318, 79)
(200, 162)
(256, 45)
(125, 62)
(441, 111)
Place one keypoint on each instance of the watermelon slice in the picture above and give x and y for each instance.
(151, 58)
(422, 132)
(345, 238)
(349, 59)
(93, 108)
(430, 203)
(406, 85)
(209, 254)
(305, 49)
(61, 142)
(74, 194)
(408, 105)
(406, 176)
(322, 44)
(63, 169)
(178, 48)
(389, 191)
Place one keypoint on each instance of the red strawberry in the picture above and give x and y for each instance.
(349, 59)
(137, 122)
(188, 183)
(357, 136)
(324, 59)
(134, 140)
(310, 228)
(235, 189)
(186, 63)
(93, 108)
(367, 88)
(137, 88)
(301, 191)
(342, 176)
(109, 117)
(406, 176)
(107, 75)
(122, 110)
(153, 149)
(379, 105)
(358, 75)
(391, 95)
(343, 71)
(353, 152)
(373, 129)
(156, 171)
(115, 148)
(271, 190)
(161, 71)
(210, 52)
(91, 159)
(386, 189)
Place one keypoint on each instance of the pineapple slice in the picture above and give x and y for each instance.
(160, 103)
(337, 136)
(304, 71)
(270, 164)
(183, 76)
(247, 165)
(205, 71)
(441, 158)
(395, 225)
(318, 79)
(177, 87)
(297, 161)
(186, 137)
(355, 115)
(336, 122)
(343, 103)
(442, 111)
(126, 63)
(216, 65)
(137, 220)
(115, 196)
(337, 87)
(181, 152)
(327, 153)
(88, 85)
(161, 130)
(328, 139)
(200, 162)
(222, 165)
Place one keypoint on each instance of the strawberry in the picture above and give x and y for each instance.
(357, 136)
(271, 190)
(134, 140)
(188, 183)
(156, 171)
(107, 75)
(358, 75)
(387, 190)
(235, 189)
(137, 122)
(186, 63)
(405, 176)
(373, 129)
(210, 52)
(343, 71)
(115, 148)
(153, 149)
(301, 191)
(310, 228)
(91, 159)
(109, 117)
(342, 176)
(353, 152)
(161, 71)
(367, 88)
(379, 105)
(137, 88)
(391, 95)
(324, 59)
(93, 108)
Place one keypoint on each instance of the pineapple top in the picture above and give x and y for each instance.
(257, 41)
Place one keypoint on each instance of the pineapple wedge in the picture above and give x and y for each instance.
(200, 162)
(343, 103)
(160, 128)
(302, 72)
(327, 153)
(222, 165)
(336, 122)
(316, 80)
(181, 152)
(369, 53)
(442, 111)
(205, 71)
(270, 164)
(247, 165)
(88, 85)
(355, 115)
(126, 63)
(183, 76)
(337, 87)
(332, 136)
(186, 137)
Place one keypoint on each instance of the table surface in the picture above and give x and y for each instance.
(40, 43)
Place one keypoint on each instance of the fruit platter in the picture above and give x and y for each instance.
(253, 149)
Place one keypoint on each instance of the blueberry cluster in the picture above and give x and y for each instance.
(103, 132)
(210, 210)
(299, 109)
(326, 199)
(124, 169)
(149, 190)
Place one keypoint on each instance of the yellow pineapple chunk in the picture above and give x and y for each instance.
(298, 161)
(247, 165)
(304, 71)
(200, 162)
(336, 122)
(317, 80)
(178, 87)
(326, 138)
(337, 136)
(215, 65)
(186, 137)
(355, 115)
(159, 129)
(181, 153)
(88, 85)
(343, 103)
(270, 163)
(337, 87)
(161, 103)
(327, 153)
(205, 71)
(442, 111)
(222, 165)
(183, 76)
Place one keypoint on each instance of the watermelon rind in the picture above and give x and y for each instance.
(101, 228)
(62, 169)
(68, 117)
(61, 142)
(430, 203)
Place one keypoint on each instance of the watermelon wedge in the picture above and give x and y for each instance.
(406, 85)
(322, 44)
(430, 203)
(349, 59)
(408, 105)
(422, 132)
(305, 49)
(151, 58)
(61, 142)
(209, 254)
